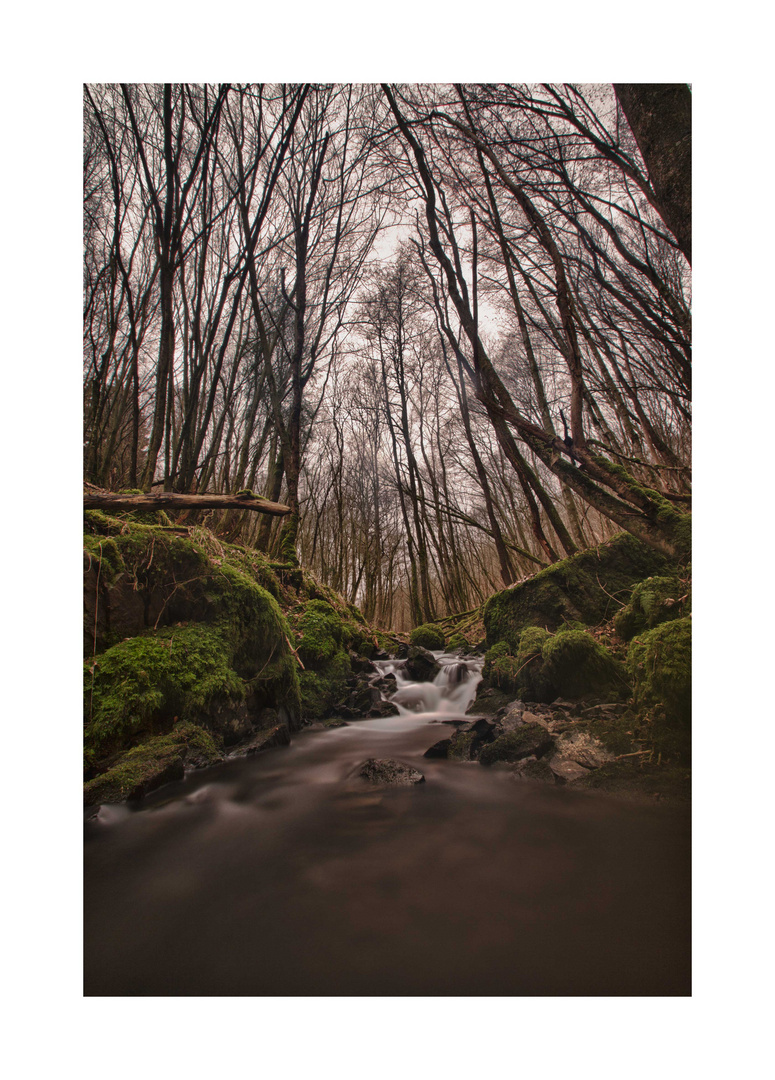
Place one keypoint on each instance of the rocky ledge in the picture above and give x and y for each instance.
(586, 745)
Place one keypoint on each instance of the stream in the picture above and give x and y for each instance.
(286, 874)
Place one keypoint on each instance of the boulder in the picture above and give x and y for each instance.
(279, 735)
(382, 708)
(467, 742)
(583, 748)
(525, 741)
(421, 665)
(439, 749)
(533, 769)
(361, 665)
(387, 771)
(386, 684)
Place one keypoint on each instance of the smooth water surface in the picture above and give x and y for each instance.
(285, 874)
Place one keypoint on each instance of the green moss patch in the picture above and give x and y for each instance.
(574, 664)
(653, 601)
(144, 682)
(586, 588)
(458, 642)
(428, 636)
(660, 663)
(154, 762)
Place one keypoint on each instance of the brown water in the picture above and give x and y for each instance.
(286, 875)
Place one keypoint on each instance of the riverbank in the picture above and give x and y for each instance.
(197, 651)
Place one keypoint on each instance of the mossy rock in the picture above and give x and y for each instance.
(458, 643)
(653, 601)
(322, 688)
(185, 630)
(144, 682)
(584, 588)
(155, 762)
(528, 740)
(318, 632)
(660, 663)
(428, 636)
(140, 577)
(575, 664)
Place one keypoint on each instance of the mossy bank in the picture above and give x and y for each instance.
(193, 647)
(609, 630)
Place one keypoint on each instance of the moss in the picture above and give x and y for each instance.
(318, 632)
(660, 663)
(155, 761)
(458, 642)
(653, 601)
(585, 588)
(514, 745)
(323, 688)
(102, 552)
(288, 536)
(459, 748)
(576, 664)
(145, 681)
(530, 680)
(428, 636)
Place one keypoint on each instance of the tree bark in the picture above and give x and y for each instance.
(660, 115)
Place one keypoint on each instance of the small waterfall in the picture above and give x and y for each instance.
(450, 693)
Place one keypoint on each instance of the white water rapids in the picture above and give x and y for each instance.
(450, 694)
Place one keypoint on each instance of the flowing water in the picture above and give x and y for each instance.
(285, 874)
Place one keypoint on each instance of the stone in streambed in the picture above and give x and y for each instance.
(387, 771)
(439, 749)
(422, 666)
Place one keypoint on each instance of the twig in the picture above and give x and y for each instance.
(621, 603)
(294, 653)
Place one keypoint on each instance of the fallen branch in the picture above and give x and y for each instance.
(294, 652)
(167, 500)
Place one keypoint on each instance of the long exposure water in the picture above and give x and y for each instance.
(286, 874)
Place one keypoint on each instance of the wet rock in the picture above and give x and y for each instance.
(458, 674)
(584, 749)
(361, 665)
(359, 703)
(403, 651)
(422, 666)
(439, 749)
(390, 772)
(232, 720)
(382, 708)
(489, 699)
(263, 740)
(565, 770)
(525, 741)
(533, 769)
(137, 774)
(386, 684)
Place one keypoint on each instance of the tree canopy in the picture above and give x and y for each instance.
(447, 325)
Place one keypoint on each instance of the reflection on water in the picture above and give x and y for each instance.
(285, 874)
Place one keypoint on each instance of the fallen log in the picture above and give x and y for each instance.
(167, 500)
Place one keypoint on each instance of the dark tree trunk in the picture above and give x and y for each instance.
(660, 115)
